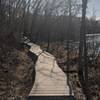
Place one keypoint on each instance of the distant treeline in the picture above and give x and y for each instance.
(42, 20)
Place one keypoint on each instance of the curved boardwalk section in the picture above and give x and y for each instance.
(50, 79)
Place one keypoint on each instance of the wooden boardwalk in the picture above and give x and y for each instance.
(50, 79)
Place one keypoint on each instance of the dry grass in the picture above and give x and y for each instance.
(16, 69)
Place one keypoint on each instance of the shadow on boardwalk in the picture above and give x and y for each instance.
(51, 98)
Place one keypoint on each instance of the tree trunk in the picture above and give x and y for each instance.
(68, 43)
(83, 68)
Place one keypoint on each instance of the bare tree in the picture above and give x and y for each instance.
(50, 10)
(36, 9)
(71, 9)
(83, 68)
(68, 41)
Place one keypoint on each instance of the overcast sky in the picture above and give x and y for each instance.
(96, 5)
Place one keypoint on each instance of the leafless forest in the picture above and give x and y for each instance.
(61, 28)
